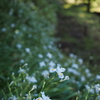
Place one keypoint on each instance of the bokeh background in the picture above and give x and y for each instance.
(46, 32)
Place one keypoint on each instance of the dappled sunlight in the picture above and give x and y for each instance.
(66, 6)
(74, 1)
(97, 9)
(70, 1)
(94, 7)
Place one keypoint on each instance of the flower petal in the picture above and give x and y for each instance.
(52, 70)
(60, 75)
(59, 70)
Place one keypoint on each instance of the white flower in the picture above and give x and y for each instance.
(3, 29)
(49, 55)
(46, 60)
(52, 70)
(45, 97)
(61, 75)
(82, 78)
(98, 97)
(27, 50)
(92, 91)
(71, 55)
(87, 70)
(31, 79)
(34, 87)
(66, 78)
(45, 73)
(97, 87)
(71, 60)
(75, 72)
(12, 98)
(59, 69)
(75, 66)
(80, 61)
(50, 46)
(97, 76)
(40, 55)
(87, 87)
(19, 46)
(21, 71)
(60, 55)
(51, 64)
(89, 74)
(42, 64)
(26, 64)
(12, 25)
(22, 61)
(35, 94)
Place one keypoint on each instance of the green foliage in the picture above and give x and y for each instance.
(22, 33)
(26, 30)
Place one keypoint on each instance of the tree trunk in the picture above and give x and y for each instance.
(88, 5)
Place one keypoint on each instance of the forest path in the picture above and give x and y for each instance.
(75, 38)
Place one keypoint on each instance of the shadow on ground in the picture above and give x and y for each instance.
(75, 37)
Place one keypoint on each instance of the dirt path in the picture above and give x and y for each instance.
(71, 34)
(74, 38)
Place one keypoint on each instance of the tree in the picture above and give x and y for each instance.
(88, 5)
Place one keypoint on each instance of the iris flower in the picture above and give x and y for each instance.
(59, 71)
